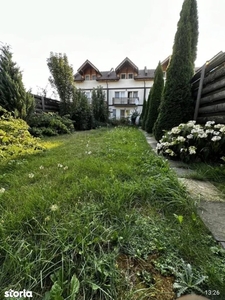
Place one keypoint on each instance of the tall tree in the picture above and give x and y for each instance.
(62, 79)
(145, 114)
(13, 95)
(99, 106)
(155, 99)
(177, 105)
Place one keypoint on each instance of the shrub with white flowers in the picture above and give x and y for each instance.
(192, 142)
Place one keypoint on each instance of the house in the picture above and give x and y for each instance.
(125, 87)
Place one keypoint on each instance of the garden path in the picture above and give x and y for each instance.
(211, 204)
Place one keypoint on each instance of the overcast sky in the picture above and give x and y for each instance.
(105, 32)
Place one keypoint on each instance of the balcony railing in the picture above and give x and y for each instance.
(125, 101)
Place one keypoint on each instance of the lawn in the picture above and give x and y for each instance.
(100, 216)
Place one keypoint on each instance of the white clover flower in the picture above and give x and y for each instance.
(180, 139)
(2, 190)
(65, 168)
(215, 138)
(190, 136)
(192, 149)
(89, 152)
(31, 175)
(54, 207)
(60, 166)
(41, 167)
(47, 219)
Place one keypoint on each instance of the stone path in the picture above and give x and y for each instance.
(211, 207)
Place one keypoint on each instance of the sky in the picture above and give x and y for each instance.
(104, 32)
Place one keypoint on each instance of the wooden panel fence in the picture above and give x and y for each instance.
(208, 89)
(44, 104)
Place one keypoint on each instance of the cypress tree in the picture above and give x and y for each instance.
(146, 111)
(177, 104)
(143, 111)
(155, 99)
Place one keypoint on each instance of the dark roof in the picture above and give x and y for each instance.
(126, 60)
(86, 64)
(142, 74)
(112, 74)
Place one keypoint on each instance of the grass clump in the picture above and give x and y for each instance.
(94, 218)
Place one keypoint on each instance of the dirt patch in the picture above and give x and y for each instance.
(144, 281)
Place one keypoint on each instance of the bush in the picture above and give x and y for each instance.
(49, 124)
(190, 142)
(15, 138)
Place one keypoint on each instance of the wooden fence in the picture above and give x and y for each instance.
(208, 89)
(44, 104)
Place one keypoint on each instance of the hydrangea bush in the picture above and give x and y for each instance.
(193, 142)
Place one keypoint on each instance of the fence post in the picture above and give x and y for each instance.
(43, 103)
(199, 91)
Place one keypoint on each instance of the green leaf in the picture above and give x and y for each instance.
(74, 287)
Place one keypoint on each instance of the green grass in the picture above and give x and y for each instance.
(215, 173)
(69, 213)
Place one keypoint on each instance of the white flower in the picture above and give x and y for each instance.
(209, 131)
(60, 166)
(219, 126)
(2, 190)
(222, 129)
(223, 158)
(192, 149)
(89, 152)
(54, 207)
(31, 175)
(41, 167)
(191, 123)
(215, 138)
(47, 219)
(65, 168)
(190, 136)
(159, 146)
(175, 130)
(202, 135)
(209, 123)
(183, 150)
(216, 132)
(180, 139)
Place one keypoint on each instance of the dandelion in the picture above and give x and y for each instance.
(2, 190)
(31, 175)
(60, 166)
(54, 207)
(192, 149)
(215, 138)
(41, 167)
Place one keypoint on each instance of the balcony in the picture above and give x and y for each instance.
(125, 101)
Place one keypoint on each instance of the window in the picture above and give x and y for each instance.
(117, 94)
(93, 77)
(123, 76)
(135, 94)
(114, 113)
(87, 77)
(122, 113)
(130, 76)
